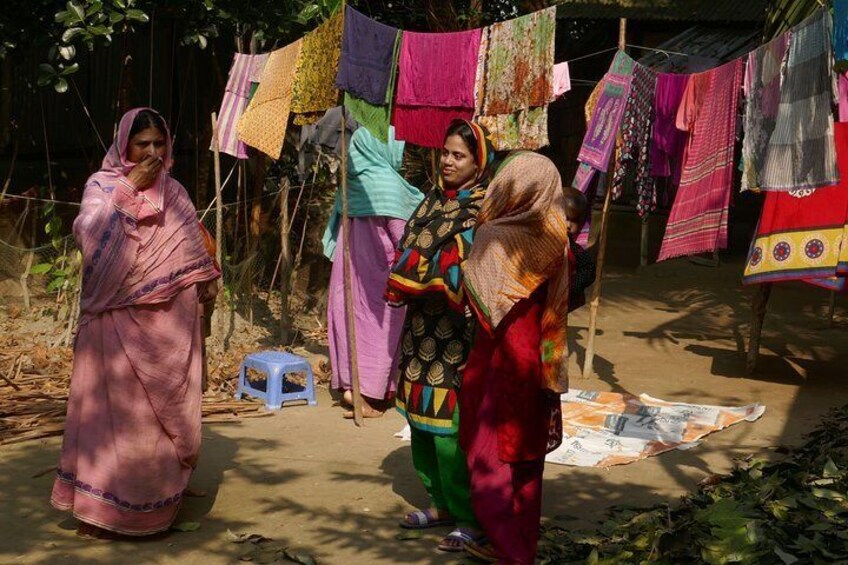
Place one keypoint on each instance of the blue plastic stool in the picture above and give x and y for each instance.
(276, 365)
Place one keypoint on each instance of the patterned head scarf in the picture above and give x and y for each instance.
(439, 235)
(521, 242)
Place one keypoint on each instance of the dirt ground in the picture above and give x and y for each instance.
(313, 481)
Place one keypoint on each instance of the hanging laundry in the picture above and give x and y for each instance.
(314, 91)
(377, 117)
(435, 84)
(235, 100)
(525, 129)
(325, 136)
(368, 57)
(634, 151)
(607, 104)
(601, 133)
(668, 142)
(264, 122)
(257, 67)
(698, 219)
(842, 82)
(840, 30)
(562, 79)
(518, 80)
(801, 151)
(804, 235)
(762, 92)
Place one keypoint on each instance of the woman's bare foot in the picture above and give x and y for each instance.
(367, 412)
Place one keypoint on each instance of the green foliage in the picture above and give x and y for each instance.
(62, 271)
(791, 511)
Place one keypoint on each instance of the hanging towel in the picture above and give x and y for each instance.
(257, 67)
(562, 79)
(517, 81)
(698, 219)
(377, 117)
(668, 142)
(375, 185)
(233, 105)
(314, 91)
(762, 92)
(435, 84)
(264, 123)
(634, 150)
(804, 235)
(367, 57)
(801, 152)
(603, 128)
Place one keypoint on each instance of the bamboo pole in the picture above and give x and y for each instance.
(758, 314)
(588, 364)
(831, 308)
(643, 243)
(219, 222)
(285, 262)
(348, 290)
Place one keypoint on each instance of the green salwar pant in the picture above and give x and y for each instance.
(443, 468)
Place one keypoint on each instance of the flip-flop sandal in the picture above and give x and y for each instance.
(456, 541)
(423, 519)
(482, 550)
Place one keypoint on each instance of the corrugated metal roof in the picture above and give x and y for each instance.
(705, 45)
(743, 11)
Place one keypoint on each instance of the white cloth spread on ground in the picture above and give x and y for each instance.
(602, 429)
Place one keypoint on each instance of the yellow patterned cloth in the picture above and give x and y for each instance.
(314, 90)
(263, 124)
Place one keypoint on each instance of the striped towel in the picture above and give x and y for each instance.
(801, 152)
(698, 219)
(235, 100)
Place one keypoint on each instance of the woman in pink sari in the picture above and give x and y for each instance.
(132, 436)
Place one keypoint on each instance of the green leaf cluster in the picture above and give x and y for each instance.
(794, 510)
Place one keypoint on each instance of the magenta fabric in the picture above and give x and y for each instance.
(506, 497)
(373, 241)
(436, 75)
(426, 125)
(843, 97)
(438, 69)
(668, 142)
(132, 434)
(698, 219)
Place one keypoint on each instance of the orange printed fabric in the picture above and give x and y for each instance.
(520, 243)
(263, 124)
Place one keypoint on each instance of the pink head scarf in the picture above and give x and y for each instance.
(115, 219)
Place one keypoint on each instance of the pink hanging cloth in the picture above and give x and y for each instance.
(436, 75)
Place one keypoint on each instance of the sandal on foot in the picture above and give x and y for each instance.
(422, 519)
(482, 550)
(457, 540)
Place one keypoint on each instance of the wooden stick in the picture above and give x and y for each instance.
(758, 311)
(643, 244)
(348, 289)
(831, 308)
(588, 364)
(286, 263)
(219, 222)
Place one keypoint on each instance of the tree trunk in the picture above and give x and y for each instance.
(5, 102)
